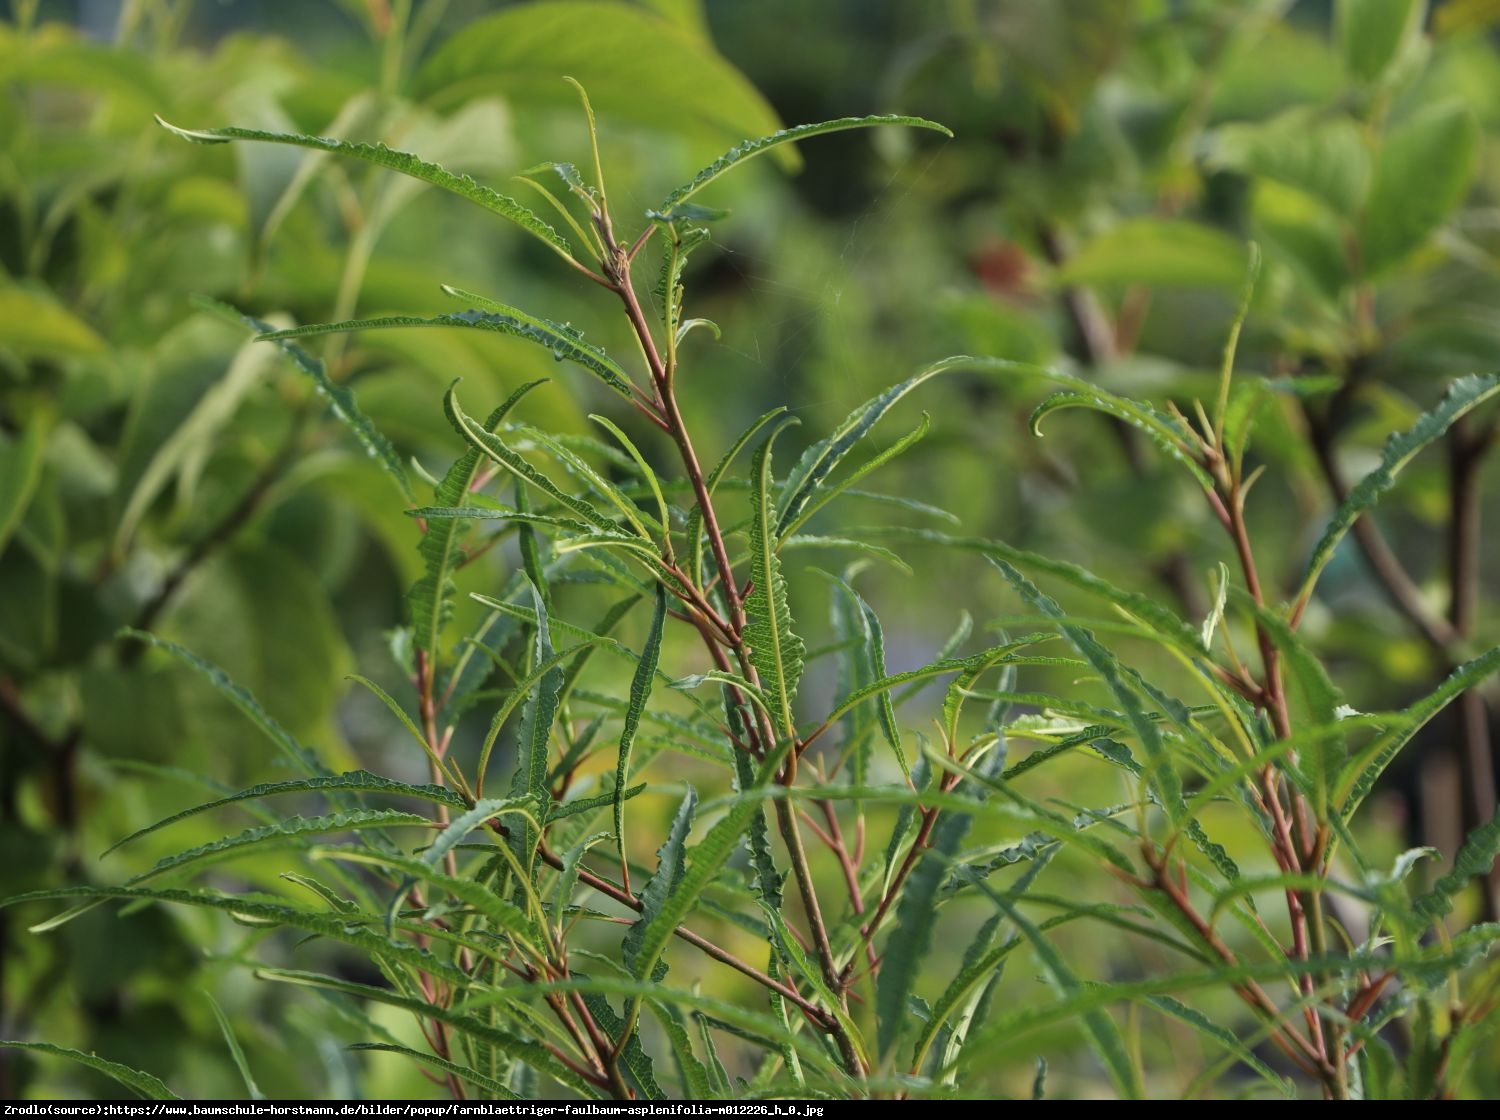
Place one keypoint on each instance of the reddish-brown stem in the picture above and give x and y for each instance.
(1299, 1049)
(723, 956)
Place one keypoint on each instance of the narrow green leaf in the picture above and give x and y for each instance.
(298, 754)
(404, 162)
(532, 1053)
(638, 1065)
(564, 342)
(355, 781)
(230, 1040)
(1474, 861)
(431, 598)
(349, 929)
(1462, 396)
(829, 491)
(767, 883)
(563, 810)
(640, 695)
(1225, 1038)
(692, 1071)
(694, 531)
(142, 1084)
(1115, 676)
(823, 457)
(340, 397)
(283, 833)
(665, 883)
(495, 448)
(910, 941)
(1149, 609)
(752, 148)
(850, 544)
(708, 859)
(647, 473)
(775, 650)
(499, 912)
(1164, 430)
(442, 766)
(1101, 1029)
(529, 783)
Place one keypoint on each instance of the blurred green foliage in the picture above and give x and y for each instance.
(1112, 160)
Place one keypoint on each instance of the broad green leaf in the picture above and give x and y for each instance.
(636, 66)
(299, 755)
(284, 833)
(820, 460)
(193, 438)
(775, 650)
(33, 325)
(1319, 153)
(640, 695)
(1373, 34)
(340, 397)
(489, 1085)
(1462, 396)
(431, 597)
(751, 148)
(20, 471)
(355, 781)
(532, 1053)
(1421, 175)
(142, 1084)
(404, 162)
(1163, 252)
